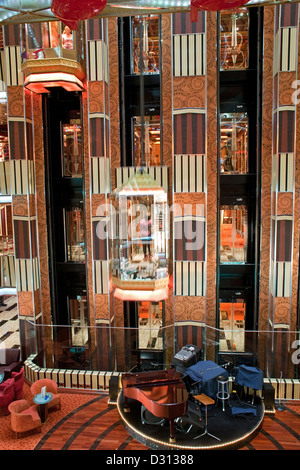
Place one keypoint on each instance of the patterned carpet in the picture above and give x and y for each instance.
(8, 440)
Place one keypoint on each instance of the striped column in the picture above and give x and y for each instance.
(189, 175)
(285, 178)
(285, 203)
(98, 182)
(22, 179)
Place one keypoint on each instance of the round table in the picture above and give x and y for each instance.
(43, 404)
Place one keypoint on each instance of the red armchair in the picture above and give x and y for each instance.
(24, 417)
(18, 383)
(10, 361)
(51, 387)
(7, 394)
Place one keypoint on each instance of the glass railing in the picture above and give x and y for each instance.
(104, 348)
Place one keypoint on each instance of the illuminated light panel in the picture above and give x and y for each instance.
(39, 82)
(141, 295)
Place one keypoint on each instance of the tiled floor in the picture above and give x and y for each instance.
(9, 323)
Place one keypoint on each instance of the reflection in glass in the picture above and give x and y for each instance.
(149, 44)
(72, 154)
(234, 143)
(78, 315)
(151, 141)
(67, 38)
(232, 325)
(233, 224)
(50, 39)
(41, 37)
(74, 234)
(150, 325)
(234, 39)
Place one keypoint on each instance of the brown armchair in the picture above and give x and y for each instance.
(51, 387)
(24, 417)
(10, 361)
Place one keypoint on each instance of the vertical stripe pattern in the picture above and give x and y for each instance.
(22, 177)
(158, 173)
(98, 61)
(189, 238)
(100, 175)
(14, 75)
(27, 275)
(283, 172)
(101, 277)
(189, 278)
(189, 132)
(189, 173)
(189, 55)
(281, 278)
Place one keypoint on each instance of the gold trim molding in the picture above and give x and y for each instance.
(53, 65)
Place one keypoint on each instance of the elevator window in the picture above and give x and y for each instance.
(151, 140)
(232, 325)
(74, 235)
(234, 234)
(234, 39)
(234, 143)
(72, 150)
(150, 323)
(148, 44)
(78, 314)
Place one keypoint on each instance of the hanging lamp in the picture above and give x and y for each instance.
(72, 11)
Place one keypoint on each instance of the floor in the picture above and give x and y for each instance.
(87, 422)
(9, 323)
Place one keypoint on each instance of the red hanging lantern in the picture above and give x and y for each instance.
(214, 5)
(72, 11)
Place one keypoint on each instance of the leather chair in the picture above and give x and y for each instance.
(10, 361)
(7, 394)
(51, 387)
(24, 417)
(18, 383)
